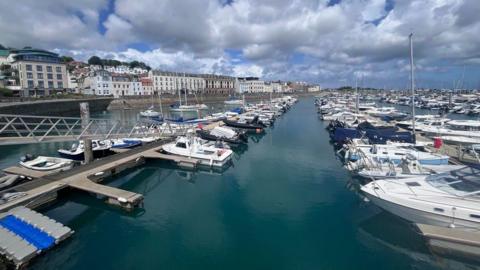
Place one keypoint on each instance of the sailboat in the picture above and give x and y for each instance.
(178, 107)
(150, 112)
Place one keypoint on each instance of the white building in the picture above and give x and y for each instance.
(314, 88)
(251, 85)
(100, 84)
(171, 82)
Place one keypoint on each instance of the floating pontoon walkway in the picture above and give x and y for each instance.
(86, 178)
(25, 233)
(451, 240)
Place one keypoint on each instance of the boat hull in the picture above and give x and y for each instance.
(419, 216)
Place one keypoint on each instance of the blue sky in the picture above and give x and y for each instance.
(330, 42)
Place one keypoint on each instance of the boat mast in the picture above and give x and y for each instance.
(356, 95)
(412, 84)
(178, 88)
(160, 101)
(185, 89)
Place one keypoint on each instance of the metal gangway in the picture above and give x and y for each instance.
(26, 129)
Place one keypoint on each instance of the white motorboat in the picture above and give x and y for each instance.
(150, 113)
(447, 199)
(192, 147)
(393, 153)
(465, 128)
(233, 102)
(406, 169)
(461, 140)
(100, 149)
(43, 163)
(188, 108)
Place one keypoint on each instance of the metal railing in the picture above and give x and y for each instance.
(22, 129)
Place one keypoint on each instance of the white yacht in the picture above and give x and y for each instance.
(393, 153)
(188, 108)
(466, 128)
(406, 169)
(193, 147)
(149, 113)
(447, 199)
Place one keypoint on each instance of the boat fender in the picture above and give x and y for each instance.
(122, 199)
(258, 130)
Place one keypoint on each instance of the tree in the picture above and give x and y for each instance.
(95, 60)
(67, 59)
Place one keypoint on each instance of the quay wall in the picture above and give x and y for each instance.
(57, 107)
(167, 99)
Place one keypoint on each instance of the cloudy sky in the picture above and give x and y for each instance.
(330, 42)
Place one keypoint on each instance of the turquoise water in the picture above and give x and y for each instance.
(286, 203)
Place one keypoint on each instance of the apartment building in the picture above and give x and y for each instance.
(172, 82)
(39, 72)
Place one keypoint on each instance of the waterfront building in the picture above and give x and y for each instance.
(100, 84)
(219, 84)
(38, 72)
(251, 85)
(147, 85)
(171, 82)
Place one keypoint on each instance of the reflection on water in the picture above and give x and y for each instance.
(384, 231)
(285, 203)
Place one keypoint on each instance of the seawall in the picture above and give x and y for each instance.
(57, 107)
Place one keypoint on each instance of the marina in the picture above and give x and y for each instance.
(94, 178)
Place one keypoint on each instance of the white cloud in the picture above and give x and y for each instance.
(333, 42)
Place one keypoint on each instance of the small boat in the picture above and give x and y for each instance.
(406, 169)
(187, 108)
(125, 143)
(6, 180)
(43, 163)
(225, 134)
(244, 124)
(100, 149)
(150, 113)
(191, 147)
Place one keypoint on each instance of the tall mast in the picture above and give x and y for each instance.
(178, 88)
(356, 95)
(412, 84)
(185, 89)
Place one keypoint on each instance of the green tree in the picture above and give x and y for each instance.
(67, 59)
(95, 60)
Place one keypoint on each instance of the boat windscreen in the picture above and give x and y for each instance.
(461, 182)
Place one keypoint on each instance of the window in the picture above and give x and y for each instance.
(58, 69)
(475, 216)
(49, 68)
(41, 84)
(40, 76)
(59, 76)
(181, 145)
(60, 85)
(39, 68)
(29, 75)
(50, 76)
(29, 67)
(50, 84)
(30, 83)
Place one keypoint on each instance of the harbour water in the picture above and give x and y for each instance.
(286, 203)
